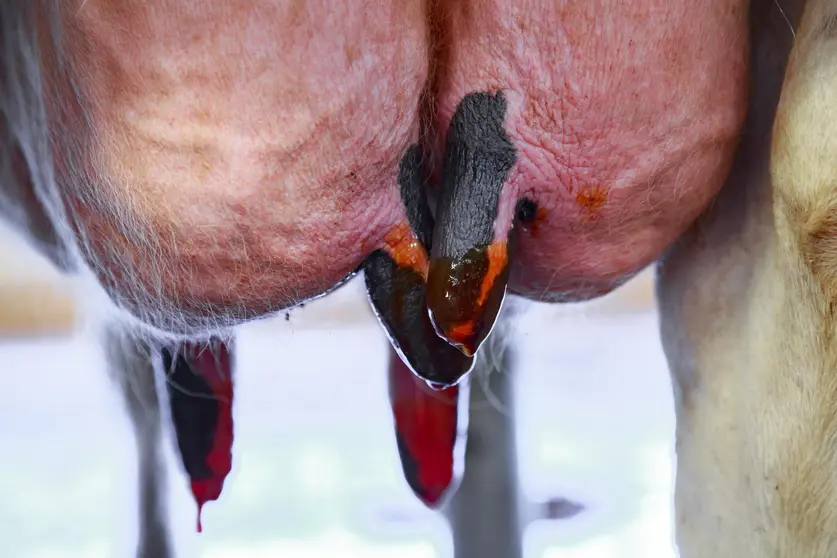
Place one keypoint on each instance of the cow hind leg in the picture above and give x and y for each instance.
(748, 303)
(485, 513)
(131, 364)
(802, 284)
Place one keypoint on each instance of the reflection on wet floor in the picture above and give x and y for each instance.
(316, 471)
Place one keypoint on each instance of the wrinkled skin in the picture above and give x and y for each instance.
(211, 162)
(237, 167)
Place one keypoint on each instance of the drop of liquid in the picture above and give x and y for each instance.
(204, 491)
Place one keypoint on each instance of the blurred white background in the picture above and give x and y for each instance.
(316, 471)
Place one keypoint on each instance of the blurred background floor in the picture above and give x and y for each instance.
(316, 471)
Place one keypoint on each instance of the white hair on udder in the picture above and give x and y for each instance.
(26, 135)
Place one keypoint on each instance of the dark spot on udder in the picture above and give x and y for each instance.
(529, 215)
(526, 210)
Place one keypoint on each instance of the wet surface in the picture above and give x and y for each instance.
(426, 432)
(199, 384)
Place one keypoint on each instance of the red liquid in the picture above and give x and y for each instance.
(425, 424)
(216, 370)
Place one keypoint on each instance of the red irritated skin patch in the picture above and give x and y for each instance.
(623, 117)
(200, 388)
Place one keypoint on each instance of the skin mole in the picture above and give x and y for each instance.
(530, 216)
(526, 211)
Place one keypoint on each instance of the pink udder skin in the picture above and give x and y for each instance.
(218, 127)
(625, 117)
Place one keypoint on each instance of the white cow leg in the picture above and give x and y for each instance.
(130, 362)
(485, 514)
